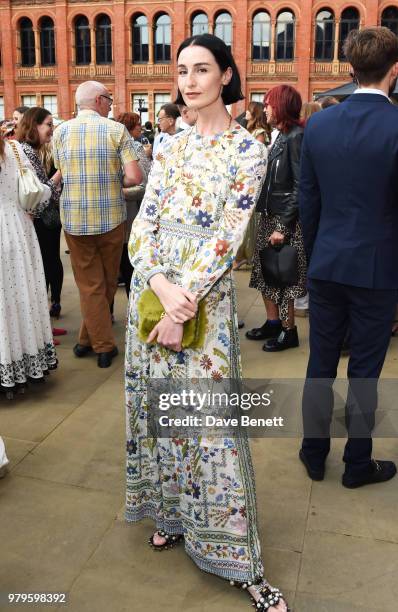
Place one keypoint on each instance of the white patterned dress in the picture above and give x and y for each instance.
(26, 342)
(200, 195)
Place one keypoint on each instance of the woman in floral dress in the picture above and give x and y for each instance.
(200, 195)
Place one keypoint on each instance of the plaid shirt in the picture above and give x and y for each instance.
(90, 151)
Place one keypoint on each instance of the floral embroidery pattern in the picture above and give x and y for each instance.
(204, 191)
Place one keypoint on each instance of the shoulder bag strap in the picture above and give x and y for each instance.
(16, 153)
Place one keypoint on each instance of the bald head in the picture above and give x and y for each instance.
(94, 96)
(87, 92)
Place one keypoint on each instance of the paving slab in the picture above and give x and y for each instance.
(124, 570)
(87, 449)
(344, 570)
(48, 532)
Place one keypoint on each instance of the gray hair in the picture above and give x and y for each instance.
(87, 92)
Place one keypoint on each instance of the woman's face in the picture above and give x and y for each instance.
(268, 112)
(16, 117)
(45, 130)
(200, 79)
(136, 131)
(248, 115)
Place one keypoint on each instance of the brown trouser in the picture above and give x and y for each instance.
(95, 262)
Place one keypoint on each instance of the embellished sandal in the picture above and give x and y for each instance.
(171, 540)
(269, 596)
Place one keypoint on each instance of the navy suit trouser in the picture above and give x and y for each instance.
(367, 315)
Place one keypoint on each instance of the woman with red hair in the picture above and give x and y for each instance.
(279, 224)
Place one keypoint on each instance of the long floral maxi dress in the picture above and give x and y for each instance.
(200, 195)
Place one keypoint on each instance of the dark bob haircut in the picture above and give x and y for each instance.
(233, 91)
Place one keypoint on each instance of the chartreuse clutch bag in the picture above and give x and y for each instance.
(150, 311)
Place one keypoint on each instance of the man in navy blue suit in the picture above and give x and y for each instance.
(349, 214)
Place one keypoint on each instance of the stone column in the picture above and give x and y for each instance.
(63, 61)
(8, 59)
(36, 33)
(177, 37)
(240, 44)
(92, 45)
(272, 47)
(304, 35)
(371, 13)
(119, 42)
(336, 63)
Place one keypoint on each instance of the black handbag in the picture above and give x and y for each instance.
(279, 265)
(51, 216)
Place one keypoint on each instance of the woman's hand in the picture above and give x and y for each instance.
(167, 334)
(276, 238)
(178, 303)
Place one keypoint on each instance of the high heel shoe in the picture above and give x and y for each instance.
(55, 310)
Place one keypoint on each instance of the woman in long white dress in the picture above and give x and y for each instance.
(200, 195)
(27, 350)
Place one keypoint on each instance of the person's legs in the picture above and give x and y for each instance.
(328, 314)
(90, 277)
(371, 312)
(110, 246)
(272, 309)
(126, 268)
(42, 236)
(56, 270)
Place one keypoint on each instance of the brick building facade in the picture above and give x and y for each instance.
(49, 47)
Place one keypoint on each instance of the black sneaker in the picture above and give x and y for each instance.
(104, 360)
(80, 350)
(268, 330)
(288, 338)
(313, 473)
(381, 472)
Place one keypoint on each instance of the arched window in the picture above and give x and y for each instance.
(349, 21)
(103, 39)
(324, 36)
(285, 36)
(389, 19)
(223, 28)
(28, 55)
(140, 39)
(199, 24)
(162, 39)
(261, 37)
(47, 42)
(82, 41)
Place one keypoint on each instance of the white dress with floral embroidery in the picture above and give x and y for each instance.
(200, 195)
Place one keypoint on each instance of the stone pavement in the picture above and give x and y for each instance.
(328, 548)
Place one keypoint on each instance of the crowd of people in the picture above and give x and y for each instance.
(172, 215)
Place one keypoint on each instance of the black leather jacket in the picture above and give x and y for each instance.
(279, 195)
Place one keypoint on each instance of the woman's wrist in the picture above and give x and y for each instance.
(158, 283)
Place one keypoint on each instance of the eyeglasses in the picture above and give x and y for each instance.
(110, 100)
(164, 117)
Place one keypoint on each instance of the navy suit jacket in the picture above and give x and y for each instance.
(348, 193)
